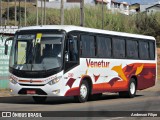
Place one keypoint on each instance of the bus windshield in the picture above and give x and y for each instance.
(37, 52)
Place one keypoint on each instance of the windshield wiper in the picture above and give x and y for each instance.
(33, 54)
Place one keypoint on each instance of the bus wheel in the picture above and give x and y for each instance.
(84, 92)
(39, 99)
(131, 90)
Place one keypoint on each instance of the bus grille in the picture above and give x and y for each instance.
(38, 91)
(32, 84)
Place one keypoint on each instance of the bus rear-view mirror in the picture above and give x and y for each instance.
(6, 45)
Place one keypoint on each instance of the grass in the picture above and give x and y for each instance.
(138, 23)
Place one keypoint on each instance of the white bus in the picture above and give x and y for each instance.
(64, 60)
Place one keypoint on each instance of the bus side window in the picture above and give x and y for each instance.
(72, 49)
(103, 47)
(144, 50)
(132, 49)
(118, 48)
(152, 50)
(88, 46)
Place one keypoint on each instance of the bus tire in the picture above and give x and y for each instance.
(39, 99)
(131, 90)
(84, 92)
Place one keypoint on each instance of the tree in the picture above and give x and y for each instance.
(12, 13)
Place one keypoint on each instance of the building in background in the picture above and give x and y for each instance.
(115, 7)
(134, 8)
(112, 5)
(153, 9)
(67, 3)
(149, 8)
(122, 7)
(143, 7)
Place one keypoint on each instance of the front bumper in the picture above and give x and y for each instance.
(45, 90)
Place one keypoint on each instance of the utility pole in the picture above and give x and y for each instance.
(82, 13)
(1, 11)
(102, 14)
(25, 13)
(15, 13)
(36, 12)
(44, 12)
(19, 14)
(41, 12)
(7, 12)
(62, 12)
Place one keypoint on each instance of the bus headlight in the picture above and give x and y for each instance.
(13, 81)
(55, 80)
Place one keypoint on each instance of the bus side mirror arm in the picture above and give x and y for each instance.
(66, 56)
(6, 45)
(6, 49)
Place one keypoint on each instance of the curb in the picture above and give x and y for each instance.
(4, 93)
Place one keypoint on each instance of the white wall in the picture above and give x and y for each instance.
(153, 10)
(109, 4)
(56, 4)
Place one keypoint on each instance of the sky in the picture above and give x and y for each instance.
(138, 1)
(134, 1)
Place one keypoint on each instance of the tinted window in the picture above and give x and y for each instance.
(118, 48)
(132, 49)
(87, 46)
(152, 50)
(73, 49)
(103, 47)
(143, 50)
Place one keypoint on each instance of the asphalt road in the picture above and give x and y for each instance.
(146, 100)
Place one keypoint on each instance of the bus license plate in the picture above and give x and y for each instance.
(31, 92)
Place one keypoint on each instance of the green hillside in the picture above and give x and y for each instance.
(139, 23)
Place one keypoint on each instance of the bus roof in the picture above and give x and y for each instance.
(69, 28)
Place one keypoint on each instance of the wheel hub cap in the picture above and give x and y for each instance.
(83, 91)
(132, 88)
